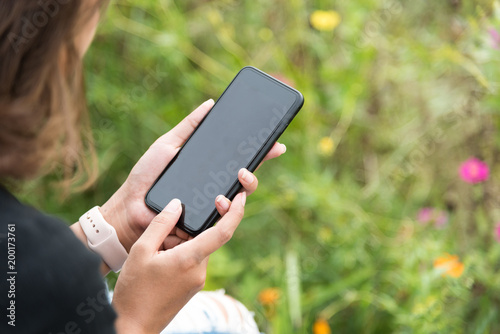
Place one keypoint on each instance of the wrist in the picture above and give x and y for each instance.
(114, 212)
(102, 239)
(80, 234)
(125, 326)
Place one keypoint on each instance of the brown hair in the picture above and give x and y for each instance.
(43, 118)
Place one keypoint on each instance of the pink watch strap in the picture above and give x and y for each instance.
(102, 239)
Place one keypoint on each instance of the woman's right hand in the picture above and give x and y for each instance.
(155, 284)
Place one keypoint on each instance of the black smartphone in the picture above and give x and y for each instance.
(237, 132)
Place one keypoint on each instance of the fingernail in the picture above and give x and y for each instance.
(209, 100)
(284, 148)
(173, 206)
(247, 176)
(243, 198)
(223, 203)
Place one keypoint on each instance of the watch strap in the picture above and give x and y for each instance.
(102, 239)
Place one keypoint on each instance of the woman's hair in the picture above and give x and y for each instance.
(43, 117)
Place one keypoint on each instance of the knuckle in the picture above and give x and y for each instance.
(225, 235)
(256, 181)
(238, 215)
(162, 219)
(191, 122)
(188, 262)
(138, 248)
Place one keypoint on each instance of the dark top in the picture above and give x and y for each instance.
(50, 282)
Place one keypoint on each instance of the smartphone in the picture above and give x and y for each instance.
(237, 132)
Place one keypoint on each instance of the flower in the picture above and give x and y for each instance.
(266, 34)
(425, 215)
(321, 327)
(495, 38)
(474, 170)
(325, 20)
(424, 307)
(325, 146)
(325, 234)
(438, 217)
(497, 232)
(450, 265)
(456, 270)
(269, 296)
(283, 79)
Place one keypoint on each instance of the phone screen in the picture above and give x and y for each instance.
(229, 138)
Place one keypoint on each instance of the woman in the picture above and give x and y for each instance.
(54, 282)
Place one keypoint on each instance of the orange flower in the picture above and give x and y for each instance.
(444, 260)
(456, 271)
(450, 265)
(321, 327)
(269, 296)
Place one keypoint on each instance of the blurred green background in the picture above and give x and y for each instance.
(398, 94)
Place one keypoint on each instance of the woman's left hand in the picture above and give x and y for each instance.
(126, 209)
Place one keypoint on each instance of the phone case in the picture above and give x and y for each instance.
(236, 186)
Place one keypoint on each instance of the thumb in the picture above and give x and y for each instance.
(159, 228)
(213, 238)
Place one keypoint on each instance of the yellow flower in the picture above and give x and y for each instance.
(423, 308)
(321, 327)
(325, 146)
(266, 34)
(269, 296)
(450, 265)
(325, 20)
(290, 195)
(325, 234)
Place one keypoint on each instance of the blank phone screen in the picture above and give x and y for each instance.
(229, 138)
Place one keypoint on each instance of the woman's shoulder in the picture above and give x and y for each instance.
(36, 232)
(24, 217)
(56, 276)
(43, 244)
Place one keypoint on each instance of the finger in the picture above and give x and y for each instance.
(213, 238)
(277, 150)
(222, 204)
(160, 227)
(248, 180)
(181, 132)
(181, 234)
(171, 241)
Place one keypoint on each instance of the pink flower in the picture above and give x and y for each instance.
(497, 232)
(495, 38)
(432, 215)
(440, 218)
(283, 79)
(424, 215)
(474, 170)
